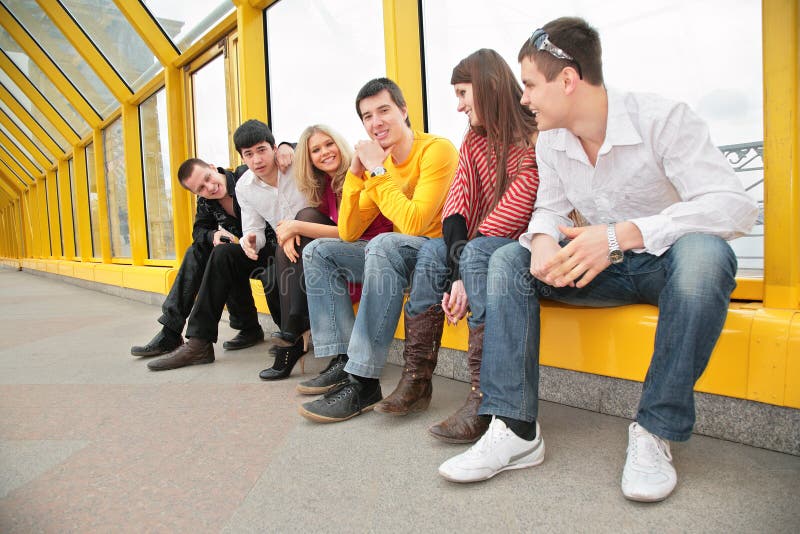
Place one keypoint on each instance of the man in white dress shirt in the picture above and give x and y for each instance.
(266, 195)
(661, 201)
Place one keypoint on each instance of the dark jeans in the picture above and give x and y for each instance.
(291, 281)
(180, 300)
(227, 278)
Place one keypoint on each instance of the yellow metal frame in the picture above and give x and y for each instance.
(65, 198)
(404, 54)
(24, 140)
(53, 221)
(30, 166)
(149, 30)
(84, 223)
(252, 72)
(137, 224)
(102, 196)
(33, 125)
(15, 167)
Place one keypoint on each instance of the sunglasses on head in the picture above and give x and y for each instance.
(541, 41)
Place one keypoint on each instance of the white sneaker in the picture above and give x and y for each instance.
(498, 449)
(648, 475)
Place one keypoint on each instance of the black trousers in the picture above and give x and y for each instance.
(180, 300)
(227, 279)
(291, 281)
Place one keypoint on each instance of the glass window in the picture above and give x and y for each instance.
(114, 161)
(706, 54)
(63, 54)
(116, 39)
(26, 174)
(157, 183)
(297, 32)
(186, 22)
(38, 78)
(37, 115)
(25, 130)
(20, 147)
(58, 208)
(211, 138)
(94, 203)
(75, 226)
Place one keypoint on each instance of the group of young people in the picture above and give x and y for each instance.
(482, 233)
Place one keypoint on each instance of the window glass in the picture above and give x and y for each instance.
(157, 183)
(75, 225)
(116, 39)
(186, 22)
(114, 161)
(25, 130)
(37, 115)
(707, 54)
(20, 147)
(58, 210)
(94, 204)
(333, 36)
(26, 175)
(63, 54)
(38, 78)
(211, 137)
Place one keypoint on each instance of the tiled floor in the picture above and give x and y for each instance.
(91, 441)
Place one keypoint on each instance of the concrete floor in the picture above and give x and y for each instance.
(91, 441)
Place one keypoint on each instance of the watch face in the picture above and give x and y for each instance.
(616, 256)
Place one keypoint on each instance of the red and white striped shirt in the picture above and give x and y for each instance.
(472, 191)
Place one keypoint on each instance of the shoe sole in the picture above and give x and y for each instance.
(419, 406)
(322, 419)
(199, 362)
(458, 441)
(225, 345)
(524, 465)
(318, 390)
(644, 498)
(141, 354)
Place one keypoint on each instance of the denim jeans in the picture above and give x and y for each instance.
(430, 276)
(384, 266)
(691, 284)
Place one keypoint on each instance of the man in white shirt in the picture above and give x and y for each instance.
(266, 195)
(660, 200)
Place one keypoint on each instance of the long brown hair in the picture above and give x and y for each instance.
(310, 180)
(496, 95)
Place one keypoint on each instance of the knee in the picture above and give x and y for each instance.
(509, 266)
(700, 262)
(309, 215)
(383, 245)
(472, 257)
(432, 254)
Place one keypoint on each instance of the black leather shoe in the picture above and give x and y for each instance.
(333, 376)
(285, 360)
(244, 339)
(160, 344)
(194, 352)
(343, 403)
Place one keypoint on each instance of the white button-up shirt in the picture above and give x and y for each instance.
(263, 204)
(657, 168)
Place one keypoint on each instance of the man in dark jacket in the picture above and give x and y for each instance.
(218, 220)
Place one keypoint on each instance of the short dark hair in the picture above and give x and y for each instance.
(373, 87)
(251, 133)
(575, 37)
(187, 168)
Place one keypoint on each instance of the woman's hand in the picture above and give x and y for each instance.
(455, 304)
(285, 230)
(290, 250)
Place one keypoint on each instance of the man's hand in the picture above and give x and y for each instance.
(249, 246)
(583, 258)
(455, 303)
(543, 249)
(284, 156)
(371, 154)
(285, 230)
(290, 250)
(219, 234)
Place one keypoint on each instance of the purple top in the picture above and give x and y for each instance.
(329, 206)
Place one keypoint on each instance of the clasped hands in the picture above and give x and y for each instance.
(577, 263)
(368, 155)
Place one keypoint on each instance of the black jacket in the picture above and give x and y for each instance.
(211, 215)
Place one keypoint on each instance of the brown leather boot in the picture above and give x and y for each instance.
(413, 392)
(195, 351)
(466, 426)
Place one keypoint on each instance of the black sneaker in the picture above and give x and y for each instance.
(342, 403)
(160, 344)
(333, 376)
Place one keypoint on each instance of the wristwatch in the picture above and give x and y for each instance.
(615, 255)
(378, 171)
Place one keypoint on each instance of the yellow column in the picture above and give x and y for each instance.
(401, 27)
(65, 201)
(780, 22)
(83, 224)
(102, 195)
(25, 223)
(52, 214)
(178, 152)
(252, 74)
(137, 223)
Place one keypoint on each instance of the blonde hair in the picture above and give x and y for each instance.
(310, 180)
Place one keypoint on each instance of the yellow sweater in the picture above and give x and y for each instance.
(411, 194)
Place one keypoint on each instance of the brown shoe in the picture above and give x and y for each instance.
(195, 351)
(413, 392)
(466, 426)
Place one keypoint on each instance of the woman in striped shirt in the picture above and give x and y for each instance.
(489, 205)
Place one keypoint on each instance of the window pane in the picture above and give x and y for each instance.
(186, 22)
(58, 208)
(306, 27)
(33, 139)
(42, 83)
(75, 225)
(157, 183)
(114, 161)
(20, 147)
(94, 204)
(116, 39)
(211, 112)
(26, 175)
(37, 115)
(63, 54)
(707, 54)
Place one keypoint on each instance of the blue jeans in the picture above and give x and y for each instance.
(691, 284)
(384, 267)
(430, 276)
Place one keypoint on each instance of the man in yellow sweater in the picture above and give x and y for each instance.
(403, 174)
